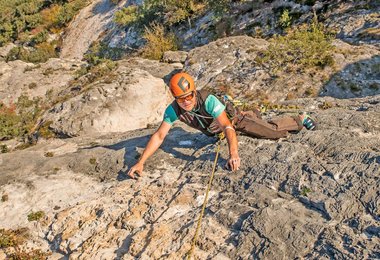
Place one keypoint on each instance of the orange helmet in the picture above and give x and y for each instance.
(181, 84)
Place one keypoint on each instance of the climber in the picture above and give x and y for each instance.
(205, 112)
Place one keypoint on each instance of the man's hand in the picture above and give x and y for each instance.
(233, 162)
(137, 168)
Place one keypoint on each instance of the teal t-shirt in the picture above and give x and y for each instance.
(212, 105)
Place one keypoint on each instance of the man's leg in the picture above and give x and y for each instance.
(251, 124)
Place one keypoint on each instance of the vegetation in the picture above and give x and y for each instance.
(305, 191)
(40, 53)
(4, 148)
(285, 19)
(17, 119)
(303, 47)
(100, 52)
(35, 216)
(166, 12)
(155, 18)
(33, 255)
(128, 15)
(158, 42)
(169, 12)
(32, 20)
(219, 7)
(49, 154)
(325, 105)
(12, 238)
(4, 198)
(29, 23)
(45, 131)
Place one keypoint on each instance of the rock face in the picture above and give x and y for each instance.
(358, 75)
(5, 50)
(229, 64)
(355, 22)
(312, 195)
(129, 98)
(134, 99)
(86, 28)
(18, 77)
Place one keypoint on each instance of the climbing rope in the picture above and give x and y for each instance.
(205, 201)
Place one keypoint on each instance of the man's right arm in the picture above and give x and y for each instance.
(153, 144)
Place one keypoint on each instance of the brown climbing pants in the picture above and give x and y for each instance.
(251, 124)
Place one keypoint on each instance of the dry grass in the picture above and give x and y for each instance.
(157, 42)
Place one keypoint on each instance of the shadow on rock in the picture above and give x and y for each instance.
(179, 146)
(359, 79)
(103, 7)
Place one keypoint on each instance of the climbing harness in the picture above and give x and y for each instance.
(191, 251)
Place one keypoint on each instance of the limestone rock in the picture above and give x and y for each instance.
(5, 50)
(87, 26)
(311, 195)
(18, 77)
(229, 65)
(174, 56)
(133, 100)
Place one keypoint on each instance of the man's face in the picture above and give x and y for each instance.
(187, 102)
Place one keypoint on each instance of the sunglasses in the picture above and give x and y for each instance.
(186, 98)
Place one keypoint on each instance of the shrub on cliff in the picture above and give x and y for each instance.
(40, 53)
(158, 41)
(302, 47)
(29, 22)
(167, 12)
(17, 119)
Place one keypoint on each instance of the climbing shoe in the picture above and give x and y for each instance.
(308, 122)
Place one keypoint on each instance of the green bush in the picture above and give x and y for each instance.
(12, 238)
(303, 47)
(92, 161)
(127, 15)
(68, 11)
(35, 216)
(17, 16)
(41, 53)
(305, 191)
(158, 42)
(45, 131)
(16, 120)
(29, 21)
(285, 20)
(166, 12)
(3, 149)
(9, 122)
(39, 37)
(219, 7)
(100, 52)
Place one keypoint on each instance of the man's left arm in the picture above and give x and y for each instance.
(229, 132)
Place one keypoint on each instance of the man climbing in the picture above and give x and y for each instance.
(205, 112)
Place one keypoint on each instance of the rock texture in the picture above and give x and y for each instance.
(86, 28)
(356, 22)
(131, 96)
(18, 77)
(312, 195)
(229, 64)
(133, 99)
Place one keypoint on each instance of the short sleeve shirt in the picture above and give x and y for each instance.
(212, 104)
